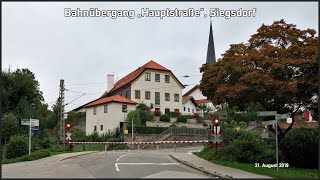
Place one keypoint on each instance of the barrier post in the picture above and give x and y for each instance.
(175, 147)
(138, 146)
(105, 147)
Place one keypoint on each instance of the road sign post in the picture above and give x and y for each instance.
(277, 116)
(30, 136)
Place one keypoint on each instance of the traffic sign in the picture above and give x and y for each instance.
(267, 113)
(35, 124)
(25, 122)
(282, 116)
(68, 138)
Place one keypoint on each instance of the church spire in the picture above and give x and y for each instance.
(211, 55)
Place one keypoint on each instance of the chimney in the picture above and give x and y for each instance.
(110, 82)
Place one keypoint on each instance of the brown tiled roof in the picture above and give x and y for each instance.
(135, 74)
(300, 125)
(203, 101)
(185, 98)
(115, 98)
(191, 90)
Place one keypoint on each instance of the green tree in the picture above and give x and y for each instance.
(135, 115)
(141, 106)
(10, 124)
(204, 108)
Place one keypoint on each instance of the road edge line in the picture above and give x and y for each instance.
(197, 168)
(77, 156)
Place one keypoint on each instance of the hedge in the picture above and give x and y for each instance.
(300, 147)
(182, 118)
(147, 130)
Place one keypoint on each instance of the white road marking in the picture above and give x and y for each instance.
(161, 164)
(122, 156)
(116, 164)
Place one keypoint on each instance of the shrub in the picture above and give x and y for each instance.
(17, 146)
(300, 147)
(165, 118)
(157, 112)
(94, 137)
(45, 143)
(79, 136)
(9, 126)
(243, 151)
(182, 119)
(189, 116)
(196, 115)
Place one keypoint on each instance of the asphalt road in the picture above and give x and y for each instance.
(111, 164)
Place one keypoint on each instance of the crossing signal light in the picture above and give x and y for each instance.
(216, 122)
(68, 126)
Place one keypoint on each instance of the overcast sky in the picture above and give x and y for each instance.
(83, 50)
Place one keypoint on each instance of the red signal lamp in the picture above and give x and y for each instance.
(216, 121)
(68, 126)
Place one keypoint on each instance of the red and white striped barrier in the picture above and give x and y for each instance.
(156, 142)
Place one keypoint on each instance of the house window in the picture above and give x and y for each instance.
(105, 108)
(124, 108)
(167, 78)
(148, 76)
(188, 109)
(94, 110)
(192, 110)
(157, 109)
(147, 95)
(166, 110)
(101, 127)
(167, 96)
(127, 94)
(94, 128)
(137, 94)
(176, 97)
(157, 77)
(176, 110)
(184, 108)
(157, 98)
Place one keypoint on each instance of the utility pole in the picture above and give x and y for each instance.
(61, 113)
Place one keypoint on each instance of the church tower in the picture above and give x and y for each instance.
(211, 55)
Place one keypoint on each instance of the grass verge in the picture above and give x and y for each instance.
(272, 172)
(56, 150)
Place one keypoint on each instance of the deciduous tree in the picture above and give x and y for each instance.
(277, 67)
